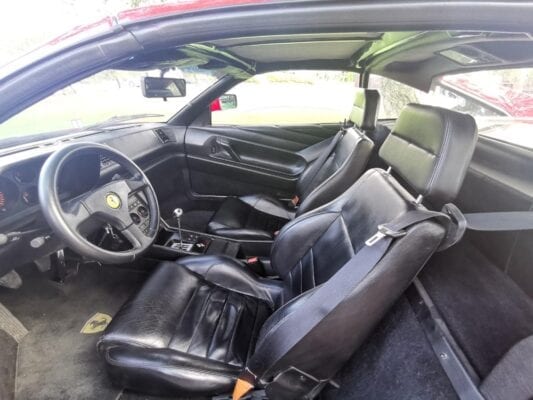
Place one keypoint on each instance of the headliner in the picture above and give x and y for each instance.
(414, 58)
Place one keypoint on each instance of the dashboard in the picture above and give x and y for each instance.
(18, 185)
(161, 158)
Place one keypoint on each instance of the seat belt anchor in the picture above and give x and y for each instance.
(382, 232)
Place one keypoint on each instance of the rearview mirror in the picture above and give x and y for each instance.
(224, 102)
(163, 87)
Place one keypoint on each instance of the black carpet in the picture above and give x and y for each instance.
(127, 395)
(486, 312)
(55, 360)
(396, 362)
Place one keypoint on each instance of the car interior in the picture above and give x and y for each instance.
(332, 260)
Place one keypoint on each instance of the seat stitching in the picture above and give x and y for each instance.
(141, 363)
(251, 295)
(312, 266)
(202, 313)
(217, 323)
(301, 276)
(234, 332)
(339, 214)
(301, 218)
(347, 235)
(412, 143)
(440, 158)
(338, 171)
(183, 313)
(254, 326)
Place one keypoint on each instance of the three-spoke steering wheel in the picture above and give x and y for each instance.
(113, 203)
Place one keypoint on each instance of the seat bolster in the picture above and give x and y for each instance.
(345, 176)
(253, 217)
(232, 214)
(365, 109)
(164, 371)
(298, 237)
(233, 275)
(243, 234)
(268, 205)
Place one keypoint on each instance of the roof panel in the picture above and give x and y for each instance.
(298, 51)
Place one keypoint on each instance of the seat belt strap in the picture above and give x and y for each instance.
(321, 160)
(500, 221)
(289, 331)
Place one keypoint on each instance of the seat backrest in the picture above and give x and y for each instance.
(347, 161)
(365, 109)
(312, 248)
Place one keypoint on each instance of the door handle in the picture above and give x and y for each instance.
(225, 145)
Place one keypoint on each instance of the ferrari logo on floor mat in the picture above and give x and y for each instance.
(97, 323)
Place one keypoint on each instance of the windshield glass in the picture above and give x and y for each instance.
(110, 96)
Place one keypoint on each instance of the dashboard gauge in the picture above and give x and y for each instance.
(8, 194)
(25, 174)
(30, 196)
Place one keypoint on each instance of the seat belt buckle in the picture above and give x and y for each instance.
(295, 200)
(293, 203)
(383, 231)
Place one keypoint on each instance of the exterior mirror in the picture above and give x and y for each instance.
(163, 87)
(224, 102)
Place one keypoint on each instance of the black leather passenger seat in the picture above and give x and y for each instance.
(259, 216)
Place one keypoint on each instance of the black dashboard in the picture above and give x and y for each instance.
(18, 185)
(157, 149)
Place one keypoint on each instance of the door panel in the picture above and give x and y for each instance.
(228, 160)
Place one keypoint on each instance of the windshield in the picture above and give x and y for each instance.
(111, 96)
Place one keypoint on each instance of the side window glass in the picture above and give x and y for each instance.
(501, 101)
(394, 96)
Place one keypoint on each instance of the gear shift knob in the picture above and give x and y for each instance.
(177, 213)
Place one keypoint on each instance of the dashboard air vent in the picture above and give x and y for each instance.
(162, 135)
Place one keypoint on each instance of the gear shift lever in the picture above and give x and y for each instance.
(177, 213)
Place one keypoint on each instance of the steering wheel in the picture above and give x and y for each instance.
(117, 203)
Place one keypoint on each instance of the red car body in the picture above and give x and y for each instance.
(515, 103)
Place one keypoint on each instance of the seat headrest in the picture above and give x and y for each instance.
(365, 109)
(431, 148)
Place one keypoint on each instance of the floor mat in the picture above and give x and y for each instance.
(486, 312)
(55, 360)
(396, 362)
(8, 355)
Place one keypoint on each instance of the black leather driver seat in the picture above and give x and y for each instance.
(258, 216)
(201, 322)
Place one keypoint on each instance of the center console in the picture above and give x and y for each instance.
(173, 242)
(184, 242)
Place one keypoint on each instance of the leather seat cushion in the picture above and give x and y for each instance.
(182, 334)
(254, 217)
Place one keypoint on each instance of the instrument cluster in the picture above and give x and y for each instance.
(18, 188)
(18, 185)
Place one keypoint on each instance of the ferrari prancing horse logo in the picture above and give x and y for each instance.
(97, 323)
(113, 201)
